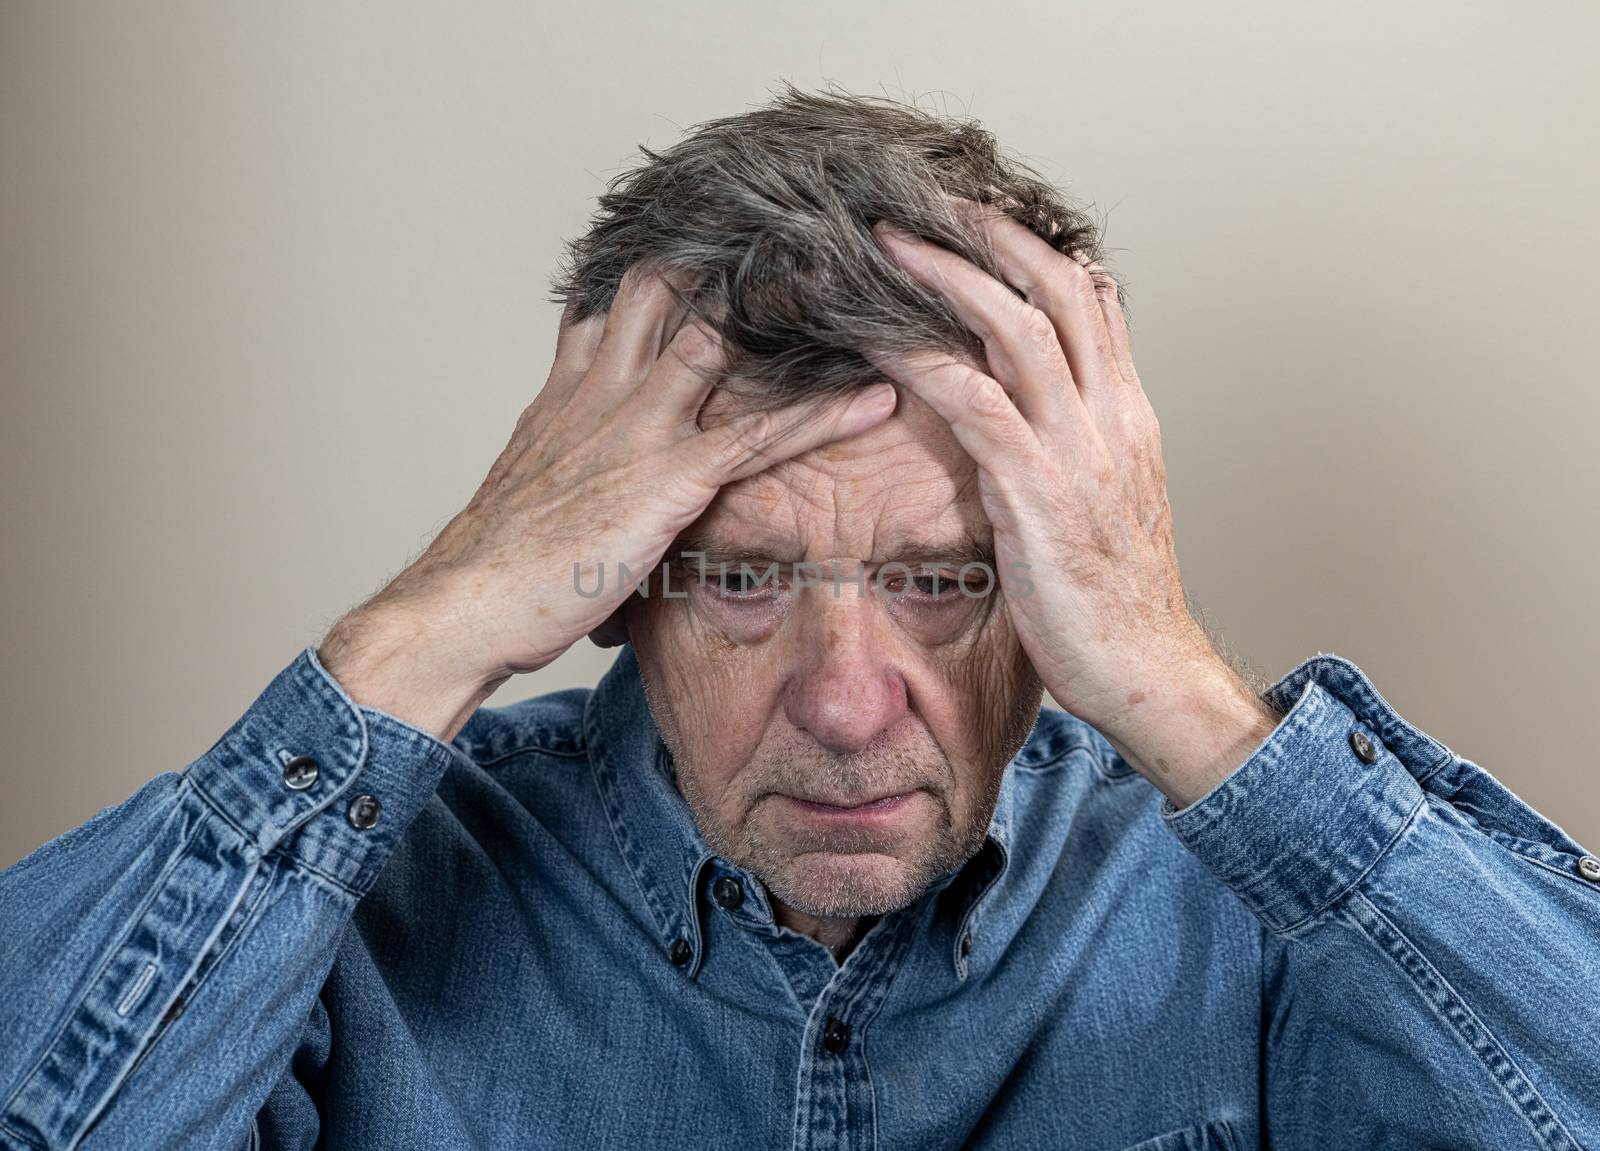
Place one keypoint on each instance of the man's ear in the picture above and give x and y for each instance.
(614, 632)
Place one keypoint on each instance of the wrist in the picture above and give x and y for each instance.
(1193, 727)
(402, 660)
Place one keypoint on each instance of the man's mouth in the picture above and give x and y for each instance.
(869, 809)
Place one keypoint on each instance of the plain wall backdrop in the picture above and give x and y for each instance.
(273, 285)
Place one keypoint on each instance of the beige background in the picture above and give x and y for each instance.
(272, 293)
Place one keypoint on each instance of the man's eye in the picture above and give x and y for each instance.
(745, 581)
(935, 585)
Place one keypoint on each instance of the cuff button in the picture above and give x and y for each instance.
(363, 813)
(1589, 868)
(1365, 749)
(300, 773)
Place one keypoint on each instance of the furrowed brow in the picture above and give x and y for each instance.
(720, 551)
(951, 553)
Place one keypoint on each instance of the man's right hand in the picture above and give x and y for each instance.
(605, 467)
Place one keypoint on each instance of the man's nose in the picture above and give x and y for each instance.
(843, 688)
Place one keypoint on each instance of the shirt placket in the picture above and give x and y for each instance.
(834, 1107)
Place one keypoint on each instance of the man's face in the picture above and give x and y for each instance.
(787, 708)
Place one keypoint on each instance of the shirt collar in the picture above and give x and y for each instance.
(661, 844)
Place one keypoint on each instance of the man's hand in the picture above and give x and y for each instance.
(1071, 476)
(605, 467)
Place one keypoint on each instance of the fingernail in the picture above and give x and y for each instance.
(873, 400)
(888, 231)
(879, 396)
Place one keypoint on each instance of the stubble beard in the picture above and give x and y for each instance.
(846, 874)
(819, 878)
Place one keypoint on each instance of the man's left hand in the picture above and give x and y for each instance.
(1073, 482)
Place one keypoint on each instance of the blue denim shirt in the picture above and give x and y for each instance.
(1359, 939)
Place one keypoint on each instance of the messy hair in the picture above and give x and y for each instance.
(770, 212)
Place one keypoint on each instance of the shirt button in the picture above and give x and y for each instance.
(300, 773)
(1589, 868)
(680, 952)
(1364, 747)
(363, 813)
(835, 1036)
(966, 945)
(728, 892)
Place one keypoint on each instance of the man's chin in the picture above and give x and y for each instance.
(840, 885)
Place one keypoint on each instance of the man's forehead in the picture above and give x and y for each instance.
(727, 544)
(904, 489)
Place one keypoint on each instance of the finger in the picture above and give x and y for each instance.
(985, 421)
(577, 341)
(1065, 291)
(755, 441)
(1129, 422)
(1116, 324)
(642, 317)
(684, 374)
(1021, 343)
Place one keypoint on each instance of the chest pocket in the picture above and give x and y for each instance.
(1213, 1136)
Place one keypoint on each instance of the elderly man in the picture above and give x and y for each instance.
(844, 443)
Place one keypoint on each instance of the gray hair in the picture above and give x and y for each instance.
(770, 212)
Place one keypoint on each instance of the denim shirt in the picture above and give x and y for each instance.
(334, 930)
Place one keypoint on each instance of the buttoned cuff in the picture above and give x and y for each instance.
(358, 778)
(1319, 802)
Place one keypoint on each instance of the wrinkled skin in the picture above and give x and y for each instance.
(789, 708)
(836, 693)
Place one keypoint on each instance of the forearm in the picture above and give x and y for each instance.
(1427, 930)
(1455, 968)
(159, 961)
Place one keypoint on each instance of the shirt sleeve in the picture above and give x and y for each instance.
(1431, 944)
(160, 962)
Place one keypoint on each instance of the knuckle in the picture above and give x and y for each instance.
(640, 288)
(1139, 404)
(1130, 424)
(758, 429)
(1037, 330)
(696, 344)
(1139, 428)
(1073, 270)
(744, 438)
(634, 277)
(692, 337)
(1084, 290)
(1079, 283)
(984, 395)
(1066, 269)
